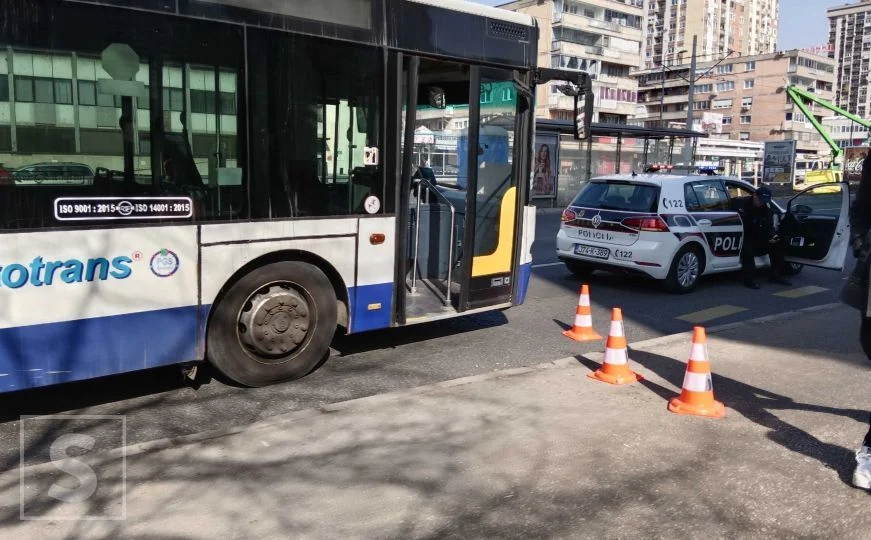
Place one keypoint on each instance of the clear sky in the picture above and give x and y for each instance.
(803, 23)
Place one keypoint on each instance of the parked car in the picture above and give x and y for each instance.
(54, 174)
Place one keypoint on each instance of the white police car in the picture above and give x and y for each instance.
(677, 228)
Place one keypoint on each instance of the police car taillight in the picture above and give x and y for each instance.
(568, 215)
(646, 224)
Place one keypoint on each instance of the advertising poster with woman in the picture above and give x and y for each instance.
(544, 168)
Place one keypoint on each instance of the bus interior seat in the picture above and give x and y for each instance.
(305, 185)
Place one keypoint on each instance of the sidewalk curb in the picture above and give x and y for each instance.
(662, 340)
(363, 402)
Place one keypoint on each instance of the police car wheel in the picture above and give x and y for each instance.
(274, 324)
(793, 269)
(580, 270)
(686, 270)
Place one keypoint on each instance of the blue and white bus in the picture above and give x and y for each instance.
(234, 180)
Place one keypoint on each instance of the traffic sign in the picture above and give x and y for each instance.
(120, 61)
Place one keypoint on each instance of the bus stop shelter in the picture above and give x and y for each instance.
(562, 164)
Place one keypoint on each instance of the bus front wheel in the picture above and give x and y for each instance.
(274, 324)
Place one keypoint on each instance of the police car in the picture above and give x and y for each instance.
(679, 227)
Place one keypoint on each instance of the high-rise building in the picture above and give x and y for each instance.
(600, 37)
(747, 27)
(850, 37)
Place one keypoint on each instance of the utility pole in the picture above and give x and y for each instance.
(662, 95)
(688, 152)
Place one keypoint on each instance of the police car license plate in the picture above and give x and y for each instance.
(590, 251)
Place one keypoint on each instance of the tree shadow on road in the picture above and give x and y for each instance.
(757, 405)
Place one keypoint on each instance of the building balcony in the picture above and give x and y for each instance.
(597, 53)
(599, 26)
(560, 102)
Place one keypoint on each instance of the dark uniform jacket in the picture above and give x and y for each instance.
(856, 291)
(758, 222)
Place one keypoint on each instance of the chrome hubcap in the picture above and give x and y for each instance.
(688, 269)
(274, 321)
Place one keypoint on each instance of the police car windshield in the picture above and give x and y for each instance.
(623, 196)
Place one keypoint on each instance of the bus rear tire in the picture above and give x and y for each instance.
(274, 324)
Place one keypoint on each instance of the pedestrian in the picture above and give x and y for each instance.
(856, 293)
(761, 238)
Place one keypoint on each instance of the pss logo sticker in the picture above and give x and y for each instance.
(164, 263)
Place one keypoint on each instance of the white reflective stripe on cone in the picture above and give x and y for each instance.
(584, 301)
(616, 356)
(583, 320)
(699, 352)
(697, 382)
(616, 329)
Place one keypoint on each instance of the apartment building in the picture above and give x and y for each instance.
(748, 27)
(745, 94)
(845, 132)
(600, 37)
(850, 38)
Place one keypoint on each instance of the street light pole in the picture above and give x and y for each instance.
(690, 99)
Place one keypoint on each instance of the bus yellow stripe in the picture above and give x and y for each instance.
(499, 262)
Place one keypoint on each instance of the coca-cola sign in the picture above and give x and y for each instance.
(854, 156)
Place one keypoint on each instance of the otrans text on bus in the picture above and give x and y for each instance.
(41, 272)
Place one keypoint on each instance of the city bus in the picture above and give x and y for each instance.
(234, 181)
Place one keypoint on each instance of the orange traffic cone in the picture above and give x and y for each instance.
(582, 330)
(697, 394)
(615, 369)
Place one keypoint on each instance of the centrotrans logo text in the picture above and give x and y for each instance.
(41, 272)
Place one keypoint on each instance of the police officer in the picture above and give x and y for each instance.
(856, 293)
(761, 238)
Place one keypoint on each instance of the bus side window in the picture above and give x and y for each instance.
(314, 126)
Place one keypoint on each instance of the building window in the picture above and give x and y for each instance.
(4, 88)
(87, 93)
(724, 69)
(722, 103)
(744, 136)
(727, 120)
(749, 83)
(746, 119)
(24, 89)
(750, 66)
(43, 91)
(746, 102)
(63, 92)
(725, 86)
(704, 88)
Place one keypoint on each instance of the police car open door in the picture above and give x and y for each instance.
(816, 227)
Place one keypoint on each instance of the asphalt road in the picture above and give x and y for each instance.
(158, 403)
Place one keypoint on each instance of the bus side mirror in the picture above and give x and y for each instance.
(583, 115)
